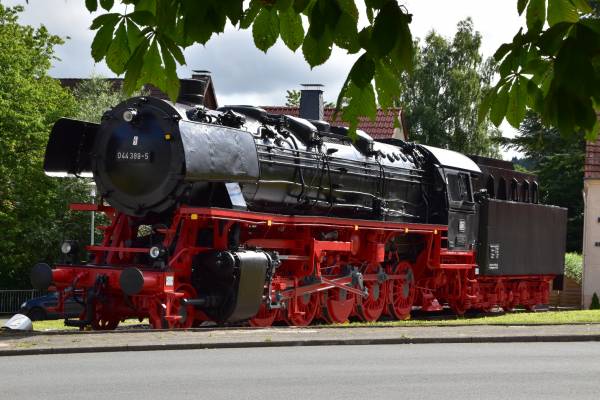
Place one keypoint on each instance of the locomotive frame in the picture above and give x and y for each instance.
(380, 285)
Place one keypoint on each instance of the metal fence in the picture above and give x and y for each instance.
(11, 300)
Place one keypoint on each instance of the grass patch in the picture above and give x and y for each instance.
(59, 325)
(517, 318)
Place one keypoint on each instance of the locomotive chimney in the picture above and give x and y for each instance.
(311, 101)
(192, 91)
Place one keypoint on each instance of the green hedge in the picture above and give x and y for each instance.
(574, 266)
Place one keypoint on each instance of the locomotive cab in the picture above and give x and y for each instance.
(457, 172)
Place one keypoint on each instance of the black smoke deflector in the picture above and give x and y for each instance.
(68, 153)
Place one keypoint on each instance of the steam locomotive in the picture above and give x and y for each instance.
(237, 215)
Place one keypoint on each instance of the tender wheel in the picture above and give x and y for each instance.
(458, 308)
(370, 308)
(103, 319)
(337, 305)
(105, 324)
(306, 307)
(401, 292)
(264, 317)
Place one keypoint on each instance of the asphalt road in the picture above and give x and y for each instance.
(455, 371)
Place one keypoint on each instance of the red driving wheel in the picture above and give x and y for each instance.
(337, 305)
(401, 292)
(369, 309)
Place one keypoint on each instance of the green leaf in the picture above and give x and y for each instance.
(103, 19)
(317, 51)
(134, 35)
(171, 80)
(146, 5)
(134, 68)
(250, 14)
(386, 29)
(102, 41)
(152, 70)
(265, 29)
(118, 51)
(174, 49)
(143, 18)
(346, 34)
(583, 6)
(387, 85)
(361, 102)
(283, 5)
(107, 4)
(484, 106)
(499, 105)
(521, 4)
(292, 31)
(362, 71)
(535, 96)
(552, 39)
(517, 99)
(348, 7)
(561, 11)
(536, 15)
(502, 51)
(91, 5)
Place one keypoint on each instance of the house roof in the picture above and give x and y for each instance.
(381, 128)
(592, 160)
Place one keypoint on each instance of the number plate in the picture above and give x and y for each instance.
(134, 156)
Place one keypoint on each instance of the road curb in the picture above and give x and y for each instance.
(296, 343)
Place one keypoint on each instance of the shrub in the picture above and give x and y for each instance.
(595, 305)
(574, 266)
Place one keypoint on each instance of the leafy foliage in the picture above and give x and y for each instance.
(94, 96)
(292, 98)
(558, 161)
(146, 43)
(574, 266)
(33, 208)
(553, 68)
(554, 71)
(441, 97)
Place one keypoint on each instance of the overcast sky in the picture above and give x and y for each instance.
(243, 74)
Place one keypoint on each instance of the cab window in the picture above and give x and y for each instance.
(459, 187)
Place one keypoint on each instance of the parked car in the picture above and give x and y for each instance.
(45, 307)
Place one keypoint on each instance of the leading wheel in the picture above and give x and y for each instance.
(264, 317)
(305, 309)
(186, 313)
(336, 305)
(401, 292)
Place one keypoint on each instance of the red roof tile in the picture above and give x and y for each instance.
(592, 159)
(381, 128)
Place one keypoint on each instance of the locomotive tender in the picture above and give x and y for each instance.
(235, 215)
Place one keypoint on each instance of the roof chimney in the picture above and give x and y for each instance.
(311, 101)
